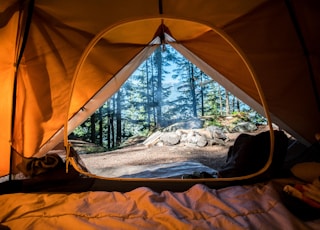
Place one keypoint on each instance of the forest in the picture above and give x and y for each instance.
(165, 89)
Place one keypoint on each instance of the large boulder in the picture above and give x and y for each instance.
(170, 138)
(216, 132)
(201, 141)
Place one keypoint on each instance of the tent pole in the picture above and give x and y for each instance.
(69, 155)
(263, 103)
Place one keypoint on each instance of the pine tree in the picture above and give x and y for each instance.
(118, 119)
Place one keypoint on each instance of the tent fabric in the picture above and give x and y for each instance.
(74, 49)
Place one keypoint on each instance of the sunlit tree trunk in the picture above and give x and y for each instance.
(227, 103)
(158, 57)
(153, 93)
(220, 100)
(148, 108)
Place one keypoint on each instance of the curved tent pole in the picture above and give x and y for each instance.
(85, 54)
(262, 97)
(71, 160)
(25, 17)
(83, 57)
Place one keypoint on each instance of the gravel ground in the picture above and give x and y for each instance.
(139, 155)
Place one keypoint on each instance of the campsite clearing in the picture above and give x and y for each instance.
(105, 163)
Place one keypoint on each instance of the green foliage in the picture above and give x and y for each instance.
(212, 122)
(240, 117)
(165, 89)
(82, 131)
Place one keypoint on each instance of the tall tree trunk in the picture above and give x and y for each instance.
(112, 122)
(109, 125)
(100, 126)
(93, 128)
(158, 57)
(118, 117)
(111, 131)
(233, 103)
(220, 99)
(227, 103)
(148, 110)
(202, 94)
(193, 90)
(154, 115)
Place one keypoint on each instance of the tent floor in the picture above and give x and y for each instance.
(59, 181)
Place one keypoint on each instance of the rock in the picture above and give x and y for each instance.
(191, 137)
(244, 127)
(204, 132)
(170, 138)
(211, 135)
(216, 132)
(184, 137)
(192, 145)
(216, 141)
(153, 138)
(201, 141)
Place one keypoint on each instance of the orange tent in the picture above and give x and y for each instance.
(60, 60)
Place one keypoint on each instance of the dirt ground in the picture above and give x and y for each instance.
(141, 155)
